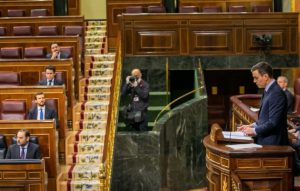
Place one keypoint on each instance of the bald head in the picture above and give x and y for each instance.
(282, 82)
(137, 73)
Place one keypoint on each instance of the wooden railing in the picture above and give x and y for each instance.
(240, 110)
(107, 159)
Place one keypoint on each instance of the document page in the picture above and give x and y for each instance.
(244, 146)
(235, 135)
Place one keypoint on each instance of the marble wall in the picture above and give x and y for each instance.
(154, 68)
(136, 162)
(171, 157)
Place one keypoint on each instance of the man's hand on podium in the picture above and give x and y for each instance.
(247, 130)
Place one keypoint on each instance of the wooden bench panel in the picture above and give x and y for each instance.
(45, 130)
(45, 41)
(28, 176)
(27, 5)
(27, 93)
(225, 4)
(30, 74)
(59, 21)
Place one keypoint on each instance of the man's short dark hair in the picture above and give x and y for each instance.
(263, 68)
(50, 67)
(27, 133)
(38, 93)
(54, 43)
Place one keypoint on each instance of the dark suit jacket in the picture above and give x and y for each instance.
(290, 101)
(272, 119)
(56, 82)
(49, 114)
(33, 151)
(62, 55)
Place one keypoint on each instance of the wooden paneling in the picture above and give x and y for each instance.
(225, 4)
(60, 21)
(207, 34)
(73, 7)
(51, 92)
(22, 175)
(31, 70)
(45, 41)
(45, 130)
(117, 7)
(27, 5)
(266, 168)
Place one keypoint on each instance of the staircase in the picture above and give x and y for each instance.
(84, 145)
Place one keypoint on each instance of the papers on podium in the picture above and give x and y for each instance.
(244, 146)
(236, 135)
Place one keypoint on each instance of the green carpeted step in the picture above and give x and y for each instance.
(159, 98)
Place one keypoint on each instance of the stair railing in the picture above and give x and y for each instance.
(107, 160)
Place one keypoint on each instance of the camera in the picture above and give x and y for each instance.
(132, 79)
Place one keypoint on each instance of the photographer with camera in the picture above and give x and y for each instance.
(135, 114)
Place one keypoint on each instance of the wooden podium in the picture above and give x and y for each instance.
(269, 168)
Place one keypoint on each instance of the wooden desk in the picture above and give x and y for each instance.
(268, 168)
(45, 130)
(27, 175)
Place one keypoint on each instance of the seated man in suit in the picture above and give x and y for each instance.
(50, 77)
(283, 83)
(55, 52)
(23, 149)
(42, 111)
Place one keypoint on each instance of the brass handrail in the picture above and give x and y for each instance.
(177, 99)
(106, 171)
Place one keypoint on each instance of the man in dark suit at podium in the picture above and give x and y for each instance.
(271, 126)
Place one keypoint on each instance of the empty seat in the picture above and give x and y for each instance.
(11, 52)
(73, 30)
(22, 30)
(211, 9)
(134, 9)
(9, 78)
(15, 13)
(156, 9)
(13, 110)
(261, 8)
(67, 50)
(47, 30)
(3, 146)
(237, 8)
(35, 52)
(188, 9)
(38, 12)
(2, 31)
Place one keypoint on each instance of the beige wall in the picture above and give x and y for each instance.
(93, 9)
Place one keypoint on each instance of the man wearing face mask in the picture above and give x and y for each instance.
(23, 149)
(138, 90)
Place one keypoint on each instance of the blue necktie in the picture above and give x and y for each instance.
(22, 156)
(41, 114)
(50, 83)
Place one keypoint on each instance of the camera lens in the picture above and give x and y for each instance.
(132, 79)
